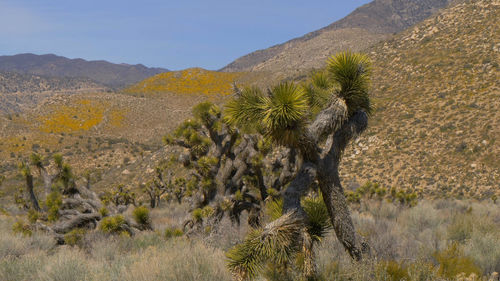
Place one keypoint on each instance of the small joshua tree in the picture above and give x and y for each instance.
(69, 207)
(316, 122)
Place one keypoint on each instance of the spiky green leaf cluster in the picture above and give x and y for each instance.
(280, 114)
(205, 164)
(318, 223)
(36, 160)
(279, 242)
(141, 215)
(205, 110)
(274, 208)
(350, 73)
(275, 244)
(318, 91)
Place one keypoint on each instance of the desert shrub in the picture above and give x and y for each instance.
(178, 260)
(207, 211)
(484, 250)
(21, 268)
(372, 190)
(74, 237)
(461, 228)
(66, 265)
(141, 216)
(33, 216)
(53, 203)
(22, 228)
(197, 215)
(104, 212)
(113, 225)
(395, 271)
(140, 242)
(172, 232)
(421, 217)
(452, 262)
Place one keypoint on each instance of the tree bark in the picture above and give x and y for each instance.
(31, 191)
(329, 182)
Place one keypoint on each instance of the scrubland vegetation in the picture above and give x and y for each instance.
(434, 240)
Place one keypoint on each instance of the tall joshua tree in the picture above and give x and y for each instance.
(316, 122)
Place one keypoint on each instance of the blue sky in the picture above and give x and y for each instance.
(170, 34)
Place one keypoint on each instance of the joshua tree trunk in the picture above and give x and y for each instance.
(31, 191)
(323, 167)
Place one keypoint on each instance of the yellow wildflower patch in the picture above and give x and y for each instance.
(80, 116)
(189, 81)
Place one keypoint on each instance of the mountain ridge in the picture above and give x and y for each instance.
(368, 24)
(100, 71)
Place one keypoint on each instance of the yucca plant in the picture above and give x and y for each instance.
(283, 245)
(316, 121)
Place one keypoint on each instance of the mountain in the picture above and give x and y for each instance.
(437, 94)
(106, 73)
(362, 28)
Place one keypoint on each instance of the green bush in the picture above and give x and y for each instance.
(173, 232)
(104, 212)
(452, 262)
(207, 211)
(461, 228)
(33, 216)
(74, 237)
(141, 216)
(53, 203)
(113, 225)
(22, 228)
(197, 215)
(395, 271)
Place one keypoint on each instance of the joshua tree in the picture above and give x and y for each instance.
(70, 206)
(157, 187)
(26, 171)
(229, 169)
(315, 122)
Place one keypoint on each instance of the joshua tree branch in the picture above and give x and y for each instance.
(297, 188)
(329, 119)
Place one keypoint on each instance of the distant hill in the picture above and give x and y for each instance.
(106, 73)
(194, 81)
(362, 28)
(12, 82)
(437, 94)
(23, 91)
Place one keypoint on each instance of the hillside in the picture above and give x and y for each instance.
(437, 123)
(103, 72)
(362, 28)
(19, 92)
(194, 81)
(11, 82)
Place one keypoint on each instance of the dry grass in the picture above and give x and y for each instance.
(405, 242)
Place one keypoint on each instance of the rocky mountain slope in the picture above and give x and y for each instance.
(435, 129)
(437, 93)
(103, 72)
(362, 28)
(12, 82)
(20, 92)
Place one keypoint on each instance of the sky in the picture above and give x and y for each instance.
(170, 34)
